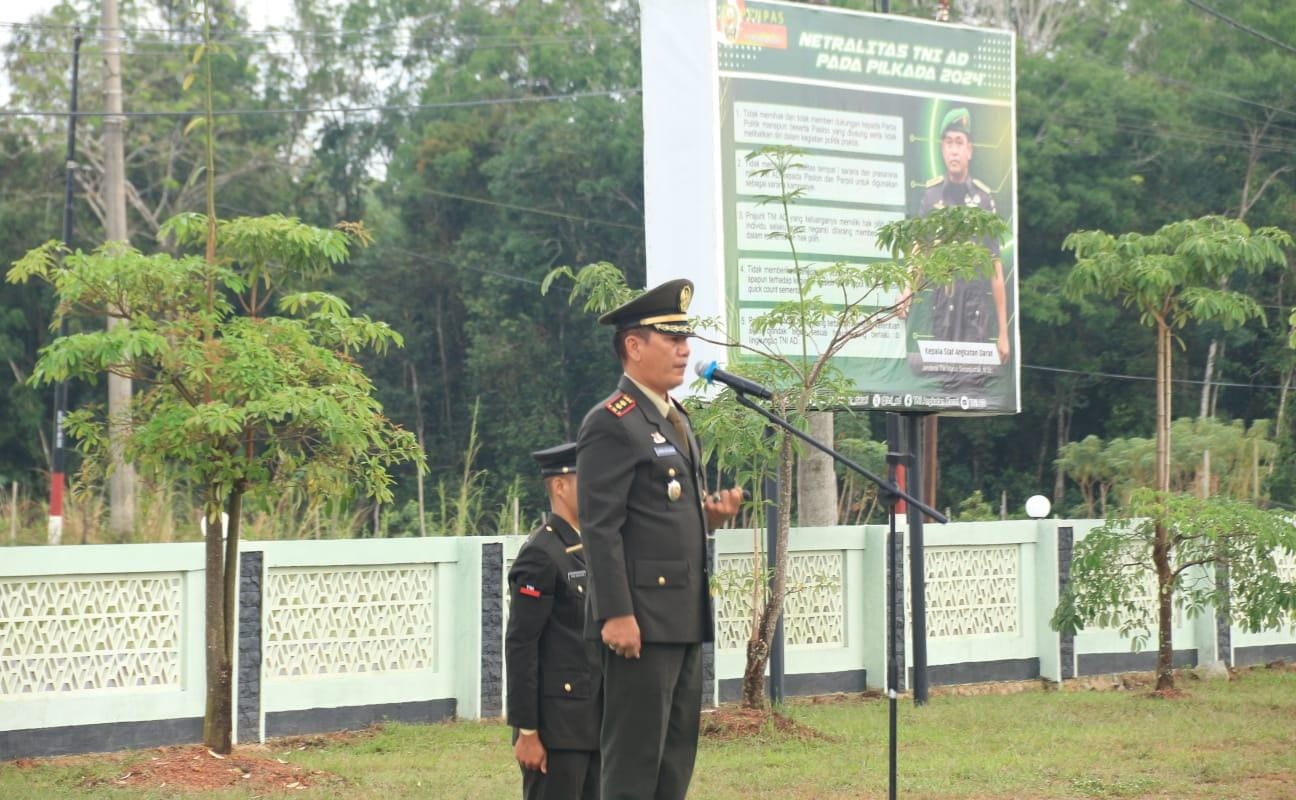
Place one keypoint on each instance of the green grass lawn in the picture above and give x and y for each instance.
(1228, 741)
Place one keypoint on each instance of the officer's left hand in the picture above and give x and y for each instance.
(722, 506)
(531, 754)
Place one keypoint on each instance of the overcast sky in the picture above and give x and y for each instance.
(261, 14)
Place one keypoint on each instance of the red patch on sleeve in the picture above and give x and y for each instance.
(621, 405)
(529, 590)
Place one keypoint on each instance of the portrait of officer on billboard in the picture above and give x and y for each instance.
(976, 309)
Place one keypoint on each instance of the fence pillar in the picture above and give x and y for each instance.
(492, 630)
(247, 726)
(1066, 641)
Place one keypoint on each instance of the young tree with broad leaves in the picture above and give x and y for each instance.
(1171, 277)
(241, 402)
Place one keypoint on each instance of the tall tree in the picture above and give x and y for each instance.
(1173, 277)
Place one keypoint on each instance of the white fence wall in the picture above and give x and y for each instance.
(101, 647)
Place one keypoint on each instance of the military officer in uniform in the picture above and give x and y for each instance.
(645, 516)
(555, 698)
(973, 310)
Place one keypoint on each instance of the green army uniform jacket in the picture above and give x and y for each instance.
(644, 528)
(554, 675)
(964, 311)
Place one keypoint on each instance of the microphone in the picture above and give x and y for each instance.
(712, 373)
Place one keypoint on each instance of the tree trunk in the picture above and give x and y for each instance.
(1288, 374)
(1163, 407)
(816, 477)
(753, 682)
(1063, 433)
(418, 432)
(1161, 544)
(218, 719)
(446, 410)
(1211, 354)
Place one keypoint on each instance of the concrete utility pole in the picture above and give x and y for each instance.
(55, 528)
(121, 479)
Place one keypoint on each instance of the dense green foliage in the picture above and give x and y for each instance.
(484, 144)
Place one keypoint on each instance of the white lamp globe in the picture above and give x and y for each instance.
(1037, 506)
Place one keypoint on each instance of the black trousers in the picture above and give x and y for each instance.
(572, 775)
(652, 707)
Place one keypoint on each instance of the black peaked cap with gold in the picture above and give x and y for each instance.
(662, 308)
(560, 460)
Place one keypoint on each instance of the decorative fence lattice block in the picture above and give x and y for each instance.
(87, 633)
(329, 621)
(1285, 560)
(971, 591)
(813, 615)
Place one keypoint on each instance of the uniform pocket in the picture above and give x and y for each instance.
(575, 685)
(660, 574)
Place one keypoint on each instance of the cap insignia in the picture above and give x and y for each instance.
(686, 297)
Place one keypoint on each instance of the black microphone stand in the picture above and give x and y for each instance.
(888, 494)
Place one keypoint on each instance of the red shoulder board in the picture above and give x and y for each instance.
(620, 405)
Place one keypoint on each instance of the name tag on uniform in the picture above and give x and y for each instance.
(571, 576)
(665, 450)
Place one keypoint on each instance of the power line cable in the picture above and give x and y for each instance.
(271, 32)
(258, 49)
(494, 101)
(1241, 26)
(534, 210)
(1123, 377)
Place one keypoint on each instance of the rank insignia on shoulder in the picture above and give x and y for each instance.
(528, 590)
(621, 405)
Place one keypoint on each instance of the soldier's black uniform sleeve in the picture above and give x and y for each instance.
(532, 583)
(605, 463)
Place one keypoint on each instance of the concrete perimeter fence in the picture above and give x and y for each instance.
(101, 647)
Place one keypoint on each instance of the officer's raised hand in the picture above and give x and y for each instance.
(621, 635)
(722, 506)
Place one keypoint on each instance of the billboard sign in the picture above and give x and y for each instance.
(895, 117)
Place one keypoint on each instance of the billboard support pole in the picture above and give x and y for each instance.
(914, 425)
(890, 494)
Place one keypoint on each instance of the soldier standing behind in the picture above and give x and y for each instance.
(555, 693)
(645, 517)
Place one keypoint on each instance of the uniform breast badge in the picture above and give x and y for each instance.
(658, 438)
(673, 490)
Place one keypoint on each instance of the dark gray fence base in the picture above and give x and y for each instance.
(1015, 669)
(804, 685)
(1106, 663)
(104, 737)
(1263, 654)
(318, 720)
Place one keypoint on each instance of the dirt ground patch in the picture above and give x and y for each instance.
(195, 768)
(731, 723)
